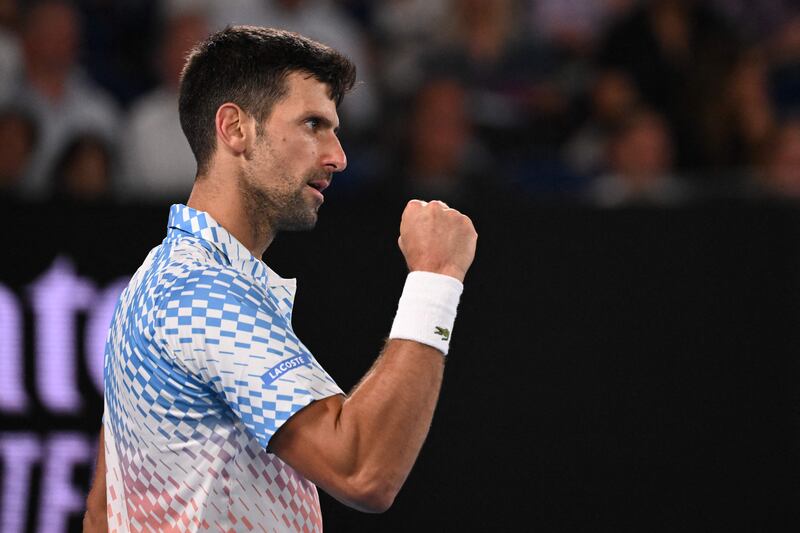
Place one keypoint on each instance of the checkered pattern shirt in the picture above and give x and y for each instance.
(201, 369)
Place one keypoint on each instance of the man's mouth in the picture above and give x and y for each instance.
(320, 184)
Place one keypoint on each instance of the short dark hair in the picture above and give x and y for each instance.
(248, 66)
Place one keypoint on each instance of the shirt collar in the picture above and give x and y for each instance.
(202, 225)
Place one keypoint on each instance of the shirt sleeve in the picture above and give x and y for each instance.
(228, 333)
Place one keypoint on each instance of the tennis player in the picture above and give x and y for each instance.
(217, 417)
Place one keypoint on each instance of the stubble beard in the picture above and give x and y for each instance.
(280, 208)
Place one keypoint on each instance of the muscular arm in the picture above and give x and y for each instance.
(95, 519)
(361, 449)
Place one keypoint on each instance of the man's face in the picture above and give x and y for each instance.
(52, 35)
(293, 158)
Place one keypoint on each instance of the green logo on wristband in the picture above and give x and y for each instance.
(444, 332)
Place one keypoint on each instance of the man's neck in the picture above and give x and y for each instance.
(225, 205)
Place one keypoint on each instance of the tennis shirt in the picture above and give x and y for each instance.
(202, 367)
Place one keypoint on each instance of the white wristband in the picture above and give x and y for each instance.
(427, 309)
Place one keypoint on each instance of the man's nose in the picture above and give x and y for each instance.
(335, 159)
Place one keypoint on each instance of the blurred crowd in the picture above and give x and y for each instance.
(607, 102)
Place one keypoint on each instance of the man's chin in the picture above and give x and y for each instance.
(300, 224)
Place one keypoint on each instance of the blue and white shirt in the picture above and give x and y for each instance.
(201, 369)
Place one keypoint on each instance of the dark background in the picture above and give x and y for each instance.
(626, 370)
(611, 370)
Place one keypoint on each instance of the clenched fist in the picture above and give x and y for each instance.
(435, 238)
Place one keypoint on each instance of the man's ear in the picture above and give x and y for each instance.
(234, 129)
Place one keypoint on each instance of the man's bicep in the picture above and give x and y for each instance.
(310, 443)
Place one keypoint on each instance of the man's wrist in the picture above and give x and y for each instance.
(451, 272)
(427, 309)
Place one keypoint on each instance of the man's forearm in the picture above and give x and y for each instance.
(389, 413)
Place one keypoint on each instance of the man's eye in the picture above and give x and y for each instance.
(313, 123)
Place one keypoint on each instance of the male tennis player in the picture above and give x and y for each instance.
(217, 417)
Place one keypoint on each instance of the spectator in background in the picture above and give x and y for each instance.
(405, 30)
(17, 139)
(157, 162)
(640, 164)
(440, 158)
(572, 28)
(54, 90)
(482, 49)
(738, 120)
(10, 52)
(83, 171)
(678, 52)
(612, 96)
(511, 77)
(781, 169)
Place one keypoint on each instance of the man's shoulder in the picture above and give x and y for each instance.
(195, 270)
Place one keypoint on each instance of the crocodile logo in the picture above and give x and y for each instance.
(443, 332)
